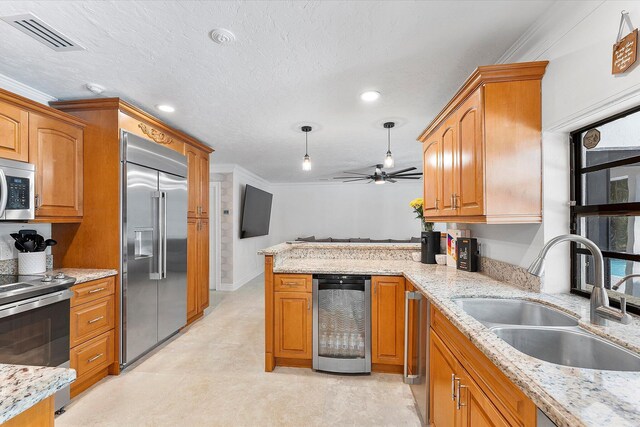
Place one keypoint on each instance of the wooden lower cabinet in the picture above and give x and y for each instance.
(39, 415)
(197, 267)
(293, 325)
(466, 388)
(92, 332)
(387, 320)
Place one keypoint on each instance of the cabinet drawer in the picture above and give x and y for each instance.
(93, 355)
(292, 283)
(93, 290)
(91, 319)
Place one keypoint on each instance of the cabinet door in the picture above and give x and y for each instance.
(432, 177)
(14, 133)
(55, 148)
(192, 268)
(203, 170)
(475, 408)
(449, 142)
(203, 264)
(387, 320)
(293, 321)
(193, 178)
(442, 384)
(470, 195)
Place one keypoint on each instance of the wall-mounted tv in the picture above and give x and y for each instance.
(256, 212)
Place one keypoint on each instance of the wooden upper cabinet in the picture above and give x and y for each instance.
(56, 150)
(387, 320)
(432, 178)
(489, 168)
(198, 182)
(192, 180)
(470, 159)
(203, 169)
(14, 132)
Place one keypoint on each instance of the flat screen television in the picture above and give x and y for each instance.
(256, 212)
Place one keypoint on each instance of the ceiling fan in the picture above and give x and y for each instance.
(379, 176)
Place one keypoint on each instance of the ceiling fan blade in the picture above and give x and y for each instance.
(350, 177)
(354, 180)
(401, 171)
(409, 174)
(404, 177)
(393, 181)
(355, 173)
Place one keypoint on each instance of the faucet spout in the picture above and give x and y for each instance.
(599, 296)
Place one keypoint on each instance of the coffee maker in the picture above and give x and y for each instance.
(430, 242)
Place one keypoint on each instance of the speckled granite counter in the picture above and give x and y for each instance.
(21, 387)
(84, 274)
(569, 396)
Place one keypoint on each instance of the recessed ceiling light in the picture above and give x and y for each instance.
(222, 36)
(370, 95)
(166, 108)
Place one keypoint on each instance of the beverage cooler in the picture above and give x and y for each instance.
(342, 323)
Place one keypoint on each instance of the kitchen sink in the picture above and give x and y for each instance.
(504, 311)
(569, 347)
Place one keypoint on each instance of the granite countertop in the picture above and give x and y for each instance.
(24, 386)
(284, 247)
(569, 396)
(84, 274)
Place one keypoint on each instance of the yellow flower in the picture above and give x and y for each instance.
(416, 203)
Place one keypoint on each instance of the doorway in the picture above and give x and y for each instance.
(214, 236)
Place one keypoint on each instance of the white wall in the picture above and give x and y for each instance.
(577, 89)
(345, 210)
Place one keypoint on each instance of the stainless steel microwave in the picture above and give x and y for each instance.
(17, 188)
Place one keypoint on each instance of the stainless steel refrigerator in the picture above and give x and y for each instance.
(154, 245)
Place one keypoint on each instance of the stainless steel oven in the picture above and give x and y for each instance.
(17, 190)
(342, 323)
(34, 323)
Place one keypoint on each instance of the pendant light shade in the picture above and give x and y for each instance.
(306, 161)
(388, 160)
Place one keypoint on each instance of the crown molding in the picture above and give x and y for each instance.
(22, 89)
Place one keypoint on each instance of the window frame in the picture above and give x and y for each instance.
(577, 209)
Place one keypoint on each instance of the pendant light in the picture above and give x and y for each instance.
(306, 161)
(388, 160)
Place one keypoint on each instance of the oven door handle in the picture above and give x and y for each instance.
(4, 190)
(33, 303)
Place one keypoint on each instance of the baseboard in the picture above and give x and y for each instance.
(239, 283)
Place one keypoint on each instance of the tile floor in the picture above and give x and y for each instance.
(212, 374)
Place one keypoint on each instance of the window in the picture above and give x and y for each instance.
(605, 172)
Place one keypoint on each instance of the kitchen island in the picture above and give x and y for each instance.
(24, 388)
(568, 396)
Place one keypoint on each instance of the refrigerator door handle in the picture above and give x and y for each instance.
(159, 262)
(163, 228)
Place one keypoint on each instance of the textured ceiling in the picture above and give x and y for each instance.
(293, 63)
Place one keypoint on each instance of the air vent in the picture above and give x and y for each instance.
(34, 27)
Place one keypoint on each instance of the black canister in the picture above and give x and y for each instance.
(430, 241)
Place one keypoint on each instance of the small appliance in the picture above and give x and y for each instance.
(467, 254)
(430, 245)
(17, 190)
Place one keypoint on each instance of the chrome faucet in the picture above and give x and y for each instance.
(624, 279)
(600, 309)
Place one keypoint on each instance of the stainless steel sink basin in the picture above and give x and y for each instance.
(514, 312)
(569, 347)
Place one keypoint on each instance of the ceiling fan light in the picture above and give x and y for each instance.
(306, 163)
(388, 160)
(379, 180)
